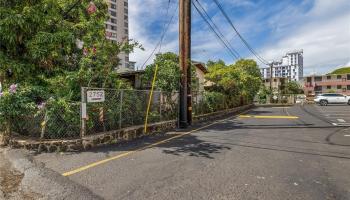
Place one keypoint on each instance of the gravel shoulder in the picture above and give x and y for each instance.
(22, 178)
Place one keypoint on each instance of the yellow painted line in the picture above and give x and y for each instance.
(268, 117)
(245, 116)
(83, 168)
(276, 117)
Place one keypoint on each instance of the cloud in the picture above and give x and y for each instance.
(146, 22)
(324, 35)
(320, 27)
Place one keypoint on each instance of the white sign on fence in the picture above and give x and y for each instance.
(95, 96)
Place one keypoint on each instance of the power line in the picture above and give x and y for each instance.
(167, 13)
(213, 30)
(218, 30)
(239, 35)
(165, 29)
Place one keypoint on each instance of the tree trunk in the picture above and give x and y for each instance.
(5, 135)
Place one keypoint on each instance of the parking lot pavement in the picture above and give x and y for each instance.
(338, 115)
(265, 153)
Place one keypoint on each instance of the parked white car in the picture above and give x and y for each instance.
(325, 99)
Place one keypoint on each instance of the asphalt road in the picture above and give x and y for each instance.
(267, 153)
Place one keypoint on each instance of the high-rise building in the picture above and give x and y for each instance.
(290, 66)
(117, 29)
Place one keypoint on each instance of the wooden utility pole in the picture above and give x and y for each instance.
(185, 114)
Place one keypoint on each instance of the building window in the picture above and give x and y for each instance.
(126, 31)
(329, 77)
(125, 11)
(125, 17)
(318, 78)
(113, 6)
(338, 76)
(318, 88)
(113, 13)
(113, 21)
(329, 87)
(348, 87)
(125, 3)
(114, 28)
(349, 77)
(126, 24)
(338, 87)
(274, 80)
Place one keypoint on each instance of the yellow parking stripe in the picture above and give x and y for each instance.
(83, 168)
(276, 117)
(245, 116)
(268, 117)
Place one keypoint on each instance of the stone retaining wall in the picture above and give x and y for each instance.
(111, 137)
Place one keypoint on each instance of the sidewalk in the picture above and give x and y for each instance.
(21, 178)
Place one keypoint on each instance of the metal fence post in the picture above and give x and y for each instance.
(121, 109)
(160, 106)
(83, 112)
(43, 126)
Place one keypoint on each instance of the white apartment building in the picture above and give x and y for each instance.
(290, 67)
(117, 29)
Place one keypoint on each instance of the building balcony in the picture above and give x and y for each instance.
(332, 83)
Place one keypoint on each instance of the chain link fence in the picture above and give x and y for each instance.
(204, 102)
(105, 109)
(54, 121)
(112, 109)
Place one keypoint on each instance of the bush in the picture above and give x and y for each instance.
(15, 105)
(62, 119)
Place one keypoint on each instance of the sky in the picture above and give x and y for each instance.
(272, 27)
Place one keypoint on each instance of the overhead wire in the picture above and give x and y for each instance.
(213, 30)
(218, 30)
(261, 59)
(165, 29)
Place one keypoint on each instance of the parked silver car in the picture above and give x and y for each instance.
(331, 98)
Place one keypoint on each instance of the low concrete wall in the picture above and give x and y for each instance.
(112, 137)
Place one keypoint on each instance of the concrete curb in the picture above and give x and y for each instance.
(43, 181)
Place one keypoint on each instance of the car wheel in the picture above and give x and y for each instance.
(349, 102)
(323, 103)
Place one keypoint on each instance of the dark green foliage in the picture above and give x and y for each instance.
(343, 70)
(168, 76)
(39, 52)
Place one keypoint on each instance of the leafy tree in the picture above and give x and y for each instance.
(38, 45)
(52, 48)
(293, 87)
(240, 78)
(343, 70)
(168, 75)
(263, 93)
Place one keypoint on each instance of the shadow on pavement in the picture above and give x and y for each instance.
(190, 145)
